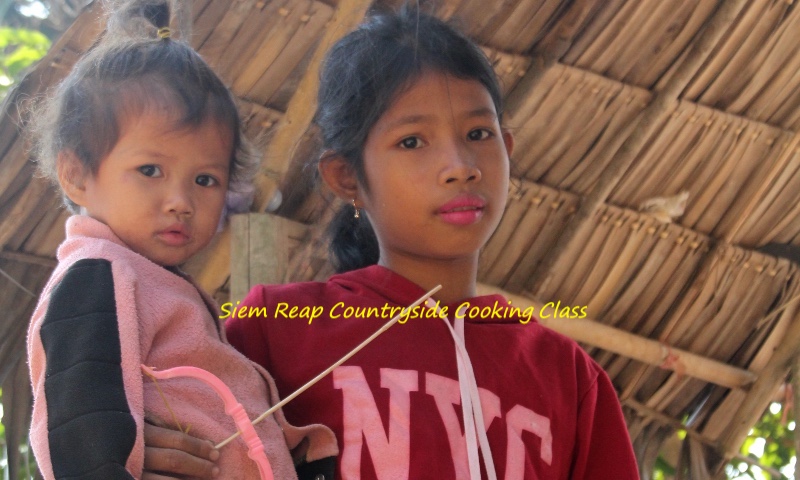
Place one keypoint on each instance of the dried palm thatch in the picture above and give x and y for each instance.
(692, 299)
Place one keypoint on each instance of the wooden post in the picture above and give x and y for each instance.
(211, 267)
(259, 252)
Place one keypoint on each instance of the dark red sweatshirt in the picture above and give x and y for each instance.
(550, 410)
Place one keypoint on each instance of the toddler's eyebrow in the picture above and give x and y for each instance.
(143, 151)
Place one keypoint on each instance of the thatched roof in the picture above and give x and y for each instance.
(612, 103)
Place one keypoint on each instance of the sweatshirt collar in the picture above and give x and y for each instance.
(86, 226)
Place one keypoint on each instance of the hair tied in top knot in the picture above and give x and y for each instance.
(164, 32)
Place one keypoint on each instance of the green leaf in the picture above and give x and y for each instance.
(19, 49)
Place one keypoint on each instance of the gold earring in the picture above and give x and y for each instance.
(356, 214)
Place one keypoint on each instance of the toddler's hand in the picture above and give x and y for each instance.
(172, 454)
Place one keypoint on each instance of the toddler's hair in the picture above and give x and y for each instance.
(138, 66)
(362, 74)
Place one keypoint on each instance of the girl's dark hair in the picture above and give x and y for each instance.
(362, 74)
(138, 65)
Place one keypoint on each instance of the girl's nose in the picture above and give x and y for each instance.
(461, 165)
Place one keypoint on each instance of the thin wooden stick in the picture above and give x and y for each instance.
(796, 407)
(166, 402)
(332, 367)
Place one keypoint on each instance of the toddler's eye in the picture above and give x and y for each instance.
(479, 134)
(411, 142)
(150, 171)
(206, 181)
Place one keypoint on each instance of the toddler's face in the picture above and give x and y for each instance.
(162, 190)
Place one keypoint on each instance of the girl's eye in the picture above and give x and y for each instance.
(479, 134)
(150, 171)
(206, 181)
(411, 142)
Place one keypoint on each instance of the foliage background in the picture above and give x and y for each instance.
(19, 48)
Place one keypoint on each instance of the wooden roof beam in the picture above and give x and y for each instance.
(634, 346)
(644, 126)
(28, 258)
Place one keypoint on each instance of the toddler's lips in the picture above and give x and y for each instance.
(174, 236)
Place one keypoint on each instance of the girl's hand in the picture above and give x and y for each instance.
(172, 454)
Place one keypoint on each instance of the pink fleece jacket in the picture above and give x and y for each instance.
(165, 321)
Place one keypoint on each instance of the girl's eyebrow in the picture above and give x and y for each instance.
(409, 120)
(482, 112)
(485, 112)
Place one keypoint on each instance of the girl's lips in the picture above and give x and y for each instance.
(462, 210)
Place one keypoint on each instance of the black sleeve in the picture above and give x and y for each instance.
(91, 431)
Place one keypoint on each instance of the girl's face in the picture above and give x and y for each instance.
(161, 190)
(436, 165)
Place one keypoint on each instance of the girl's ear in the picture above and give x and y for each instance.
(71, 176)
(508, 139)
(339, 175)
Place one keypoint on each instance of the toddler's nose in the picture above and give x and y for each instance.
(179, 202)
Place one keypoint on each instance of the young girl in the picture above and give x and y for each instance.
(144, 140)
(410, 113)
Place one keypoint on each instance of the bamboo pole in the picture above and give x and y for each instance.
(644, 126)
(645, 411)
(634, 346)
(769, 378)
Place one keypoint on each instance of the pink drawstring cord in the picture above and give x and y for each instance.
(255, 449)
